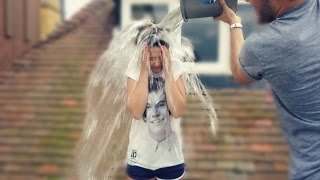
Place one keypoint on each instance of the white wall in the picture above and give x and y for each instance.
(73, 6)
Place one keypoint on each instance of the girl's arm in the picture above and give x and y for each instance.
(137, 91)
(175, 90)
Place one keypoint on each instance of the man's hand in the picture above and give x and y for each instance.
(166, 59)
(228, 16)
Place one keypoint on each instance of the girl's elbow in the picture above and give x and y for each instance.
(176, 114)
(134, 113)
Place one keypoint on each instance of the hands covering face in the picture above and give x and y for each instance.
(156, 59)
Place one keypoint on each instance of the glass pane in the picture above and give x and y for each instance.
(249, 20)
(154, 12)
(203, 33)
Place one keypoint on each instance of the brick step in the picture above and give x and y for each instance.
(236, 156)
(21, 176)
(234, 175)
(247, 122)
(219, 105)
(62, 57)
(46, 169)
(35, 159)
(54, 117)
(58, 61)
(257, 114)
(54, 134)
(245, 131)
(44, 87)
(42, 102)
(89, 44)
(40, 123)
(23, 151)
(225, 98)
(50, 76)
(231, 139)
(239, 92)
(25, 80)
(83, 68)
(49, 109)
(12, 116)
(246, 166)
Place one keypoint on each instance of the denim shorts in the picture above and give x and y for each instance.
(172, 173)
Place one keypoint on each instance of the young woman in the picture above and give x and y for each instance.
(156, 99)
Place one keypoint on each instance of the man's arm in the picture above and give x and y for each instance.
(236, 38)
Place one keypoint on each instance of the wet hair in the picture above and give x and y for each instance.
(150, 34)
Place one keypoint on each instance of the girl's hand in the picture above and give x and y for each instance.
(145, 59)
(166, 58)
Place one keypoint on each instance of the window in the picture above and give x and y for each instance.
(248, 20)
(154, 12)
(203, 33)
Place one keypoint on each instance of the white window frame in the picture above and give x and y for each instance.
(126, 18)
(222, 64)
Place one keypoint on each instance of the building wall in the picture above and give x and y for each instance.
(19, 28)
(50, 16)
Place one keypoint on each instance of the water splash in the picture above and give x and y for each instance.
(103, 142)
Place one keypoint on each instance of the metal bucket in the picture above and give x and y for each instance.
(204, 8)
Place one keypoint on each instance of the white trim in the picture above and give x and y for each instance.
(222, 65)
(126, 18)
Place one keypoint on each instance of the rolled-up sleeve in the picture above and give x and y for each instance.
(250, 63)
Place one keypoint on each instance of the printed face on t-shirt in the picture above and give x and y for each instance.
(157, 113)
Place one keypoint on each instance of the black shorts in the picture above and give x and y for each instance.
(172, 173)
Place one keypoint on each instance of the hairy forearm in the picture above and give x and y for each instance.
(138, 98)
(175, 99)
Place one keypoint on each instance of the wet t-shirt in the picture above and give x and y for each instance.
(287, 55)
(155, 140)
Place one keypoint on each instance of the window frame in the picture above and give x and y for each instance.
(221, 65)
(126, 12)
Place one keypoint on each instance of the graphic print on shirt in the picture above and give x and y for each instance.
(157, 115)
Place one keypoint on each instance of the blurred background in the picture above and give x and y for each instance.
(47, 51)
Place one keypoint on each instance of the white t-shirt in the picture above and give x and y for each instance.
(155, 140)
